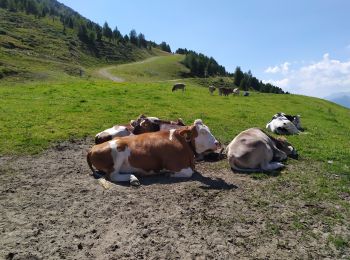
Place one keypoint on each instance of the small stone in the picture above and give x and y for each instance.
(80, 246)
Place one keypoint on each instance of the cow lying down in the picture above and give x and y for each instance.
(285, 124)
(253, 150)
(141, 125)
(150, 153)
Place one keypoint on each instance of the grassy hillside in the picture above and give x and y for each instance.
(38, 49)
(153, 69)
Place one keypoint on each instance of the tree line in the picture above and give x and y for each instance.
(87, 31)
(203, 66)
(246, 81)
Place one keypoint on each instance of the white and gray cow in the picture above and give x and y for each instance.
(254, 150)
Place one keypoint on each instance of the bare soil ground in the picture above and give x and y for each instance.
(104, 72)
(51, 208)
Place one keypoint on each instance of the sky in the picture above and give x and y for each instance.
(302, 46)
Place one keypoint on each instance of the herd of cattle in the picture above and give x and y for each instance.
(223, 91)
(149, 145)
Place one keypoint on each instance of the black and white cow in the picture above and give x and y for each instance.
(284, 124)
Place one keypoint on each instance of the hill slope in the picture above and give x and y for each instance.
(32, 48)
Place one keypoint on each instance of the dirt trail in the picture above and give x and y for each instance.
(104, 72)
(51, 208)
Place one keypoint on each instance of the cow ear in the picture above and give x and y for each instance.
(144, 123)
(198, 122)
(187, 134)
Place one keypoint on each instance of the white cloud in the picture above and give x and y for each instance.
(283, 83)
(284, 68)
(318, 79)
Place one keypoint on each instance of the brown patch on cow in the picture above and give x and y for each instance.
(155, 151)
(121, 145)
(101, 157)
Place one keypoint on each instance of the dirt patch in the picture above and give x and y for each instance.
(104, 72)
(52, 208)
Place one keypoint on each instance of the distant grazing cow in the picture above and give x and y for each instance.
(211, 89)
(253, 150)
(226, 91)
(178, 86)
(236, 91)
(246, 94)
(285, 124)
(150, 153)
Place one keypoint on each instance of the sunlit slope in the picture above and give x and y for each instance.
(158, 68)
(51, 112)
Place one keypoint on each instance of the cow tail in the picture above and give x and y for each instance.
(88, 159)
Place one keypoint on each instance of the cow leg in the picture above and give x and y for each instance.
(184, 173)
(119, 159)
(271, 166)
(118, 177)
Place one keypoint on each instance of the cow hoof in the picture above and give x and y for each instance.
(135, 183)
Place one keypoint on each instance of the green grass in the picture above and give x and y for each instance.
(154, 69)
(38, 112)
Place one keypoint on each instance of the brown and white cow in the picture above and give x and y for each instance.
(142, 124)
(154, 124)
(146, 154)
(178, 86)
(253, 150)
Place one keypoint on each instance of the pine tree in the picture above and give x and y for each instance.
(3, 4)
(238, 76)
(133, 37)
(107, 31)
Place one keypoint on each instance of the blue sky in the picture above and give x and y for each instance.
(302, 46)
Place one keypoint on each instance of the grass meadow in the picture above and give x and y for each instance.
(35, 115)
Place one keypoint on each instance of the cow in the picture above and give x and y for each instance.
(236, 91)
(246, 94)
(226, 91)
(178, 86)
(150, 153)
(141, 125)
(110, 133)
(294, 119)
(253, 150)
(211, 89)
(153, 124)
(285, 124)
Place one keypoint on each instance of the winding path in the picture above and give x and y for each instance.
(104, 72)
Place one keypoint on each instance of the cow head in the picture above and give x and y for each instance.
(146, 125)
(296, 121)
(282, 144)
(200, 137)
